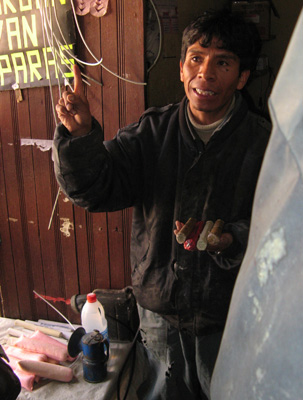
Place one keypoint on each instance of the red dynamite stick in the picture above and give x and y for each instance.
(190, 243)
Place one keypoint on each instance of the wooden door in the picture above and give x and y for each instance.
(80, 251)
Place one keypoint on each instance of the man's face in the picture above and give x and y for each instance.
(210, 76)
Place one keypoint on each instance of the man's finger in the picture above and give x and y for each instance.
(61, 102)
(78, 84)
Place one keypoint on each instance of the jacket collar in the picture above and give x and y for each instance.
(191, 138)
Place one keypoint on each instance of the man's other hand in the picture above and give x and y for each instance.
(226, 239)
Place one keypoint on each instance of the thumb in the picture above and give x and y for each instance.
(78, 84)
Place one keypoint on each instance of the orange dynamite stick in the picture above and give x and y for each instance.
(214, 235)
(185, 231)
(191, 242)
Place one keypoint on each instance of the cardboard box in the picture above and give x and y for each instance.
(258, 12)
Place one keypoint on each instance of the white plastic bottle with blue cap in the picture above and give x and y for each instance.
(93, 316)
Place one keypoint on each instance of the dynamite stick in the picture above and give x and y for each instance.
(33, 327)
(202, 241)
(213, 237)
(191, 242)
(185, 231)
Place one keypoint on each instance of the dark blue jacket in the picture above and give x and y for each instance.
(163, 170)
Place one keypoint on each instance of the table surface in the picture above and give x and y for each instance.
(78, 388)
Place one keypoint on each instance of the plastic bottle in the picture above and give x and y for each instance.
(93, 316)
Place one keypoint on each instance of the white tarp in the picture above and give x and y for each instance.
(261, 356)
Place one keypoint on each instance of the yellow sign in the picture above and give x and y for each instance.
(37, 42)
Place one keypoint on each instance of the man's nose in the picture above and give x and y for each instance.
(207, 70)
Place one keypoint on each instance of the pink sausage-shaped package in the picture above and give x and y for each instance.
(22, 354)
(41, 343)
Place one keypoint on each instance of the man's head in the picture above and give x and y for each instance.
(218, 52)
(236, 36)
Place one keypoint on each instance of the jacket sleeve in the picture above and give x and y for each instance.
(233, 256)
(92, 176)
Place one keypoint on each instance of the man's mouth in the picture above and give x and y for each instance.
(204, 92)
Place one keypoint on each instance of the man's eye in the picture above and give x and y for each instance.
(196, 59)
(223, 63)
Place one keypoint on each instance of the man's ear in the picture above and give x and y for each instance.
(181, 71)
(243, 79)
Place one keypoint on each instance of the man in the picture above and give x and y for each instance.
(197, 159)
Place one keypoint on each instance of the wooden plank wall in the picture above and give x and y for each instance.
(81, 251)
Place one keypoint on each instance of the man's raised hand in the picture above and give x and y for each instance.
(73, 108)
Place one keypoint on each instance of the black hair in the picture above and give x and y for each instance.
(235, 34)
